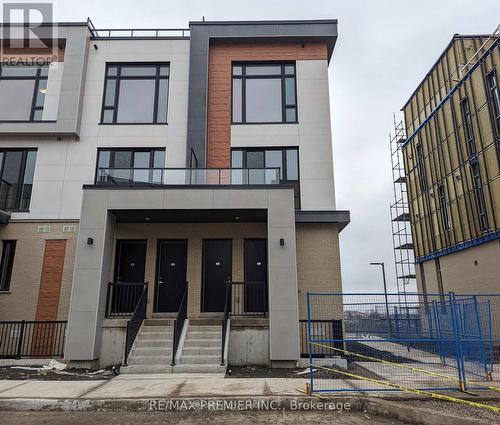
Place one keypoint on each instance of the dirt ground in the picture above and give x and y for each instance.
(8, 372)
(197, 417)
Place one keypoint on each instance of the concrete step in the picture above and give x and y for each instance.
(207, 321)
(151, 351)
(201, 359)
(202, 342)
(196, 328)
(159, 336)
(152, 343)
(197, 368)
(203, 335)
(158, 322)
(144, 360)
(149, 368)
(153, 329)
(190, 351)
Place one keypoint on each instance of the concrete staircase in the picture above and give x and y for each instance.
(152, 349)
(201, 352)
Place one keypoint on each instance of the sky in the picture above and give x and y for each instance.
(383, 51)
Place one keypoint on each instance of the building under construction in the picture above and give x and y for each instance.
(449, 189)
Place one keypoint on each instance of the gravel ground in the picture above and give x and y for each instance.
(233, 418)
(459, 409)
(8, 372)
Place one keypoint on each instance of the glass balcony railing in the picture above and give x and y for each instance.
(187, 176)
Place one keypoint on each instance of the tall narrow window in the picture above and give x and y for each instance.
(6, 263)
(22, 92)
(479, 192)
(421, 168)
(126, 166)
(264, 93)
(443, 207)
(467, 124)
(135, 94)
(494, 96)
(17, 169)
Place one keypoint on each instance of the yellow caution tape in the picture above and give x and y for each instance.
(413, 390)
(402, 365)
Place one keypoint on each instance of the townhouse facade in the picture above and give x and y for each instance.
(162, 185)
(452, 164)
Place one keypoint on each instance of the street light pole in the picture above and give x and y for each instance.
(385, 293)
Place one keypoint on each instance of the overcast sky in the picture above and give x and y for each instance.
(383, 51)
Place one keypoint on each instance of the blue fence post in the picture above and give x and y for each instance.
(482, 346)
(309, 349)
(458, 342)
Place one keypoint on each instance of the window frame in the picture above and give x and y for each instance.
(118, 78)
(5, 287)
(133, 151)
(37, 78)
(22, 174)
(468, 126)
(284, 165)
(493, 96)
(443, 206)
(282, 76)
(422, 173)
(479, 195)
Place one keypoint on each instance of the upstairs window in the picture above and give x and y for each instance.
(443, 207)
(130, 165)
(494, 96)
(17, 169)
(257, 160)
(422, 176)
(22, 92)
(6, 262)
(264, 93)
(135, 94)
(467, 123)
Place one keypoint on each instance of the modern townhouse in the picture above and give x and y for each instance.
(452, 164)
(169, 194)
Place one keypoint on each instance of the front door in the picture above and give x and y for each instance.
(131, 261)
(171, 275)
(217, 268)
(255, 276)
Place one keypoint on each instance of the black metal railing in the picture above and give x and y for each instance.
(122, 298)
(179, 323)
(32, 338)
(227, 313)
(321, 329)
(188, 176)
(135, 322)
(249, 299)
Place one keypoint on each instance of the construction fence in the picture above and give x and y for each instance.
(391, 342)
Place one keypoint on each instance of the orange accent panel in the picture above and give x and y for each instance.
(219, 86)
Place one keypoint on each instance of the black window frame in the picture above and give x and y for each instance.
(468, 126)
(119, 77)
(421, 167)
(133, 151)
(443, 206)
(38, 77)
(494, 98)
(479, 194)
(7, 262)
(282, 76)
(22, 173)
(283, 180)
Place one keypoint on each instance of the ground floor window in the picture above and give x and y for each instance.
(17, 170)
(6, 262)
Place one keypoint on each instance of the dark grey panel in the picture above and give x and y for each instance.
(341, 217)
(251, 31)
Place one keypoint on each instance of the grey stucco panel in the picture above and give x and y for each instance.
(203, 32)
(73, 83)
(94, 263)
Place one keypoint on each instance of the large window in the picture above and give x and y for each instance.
(264, 93)
(130, 165)
(494, 96)
(6, 262)
(22, 93)
(443, 207)
(479, 192)
(135, 94)
(286, 159)
(468, 128)
(17, 169)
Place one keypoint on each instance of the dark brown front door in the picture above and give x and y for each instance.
(255, 275)
(171, 275)
(217, 268)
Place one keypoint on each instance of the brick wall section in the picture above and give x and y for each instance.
(50, 280)
(219, 85)
(56, 55)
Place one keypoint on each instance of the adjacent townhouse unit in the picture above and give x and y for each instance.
(452, 164)
(167, 196)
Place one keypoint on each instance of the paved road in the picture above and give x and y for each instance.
(187, 418)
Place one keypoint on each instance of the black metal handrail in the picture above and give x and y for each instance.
(179, 323)
(227, 313)
(32, 338)
(135, 322)
(122, 298)
(249, 298)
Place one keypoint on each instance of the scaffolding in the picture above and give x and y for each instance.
(404, 257)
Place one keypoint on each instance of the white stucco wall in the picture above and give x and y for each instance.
(312, 135)
(63, 166)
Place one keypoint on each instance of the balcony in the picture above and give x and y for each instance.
(187, 176)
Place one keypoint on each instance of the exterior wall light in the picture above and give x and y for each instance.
(282, 241)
